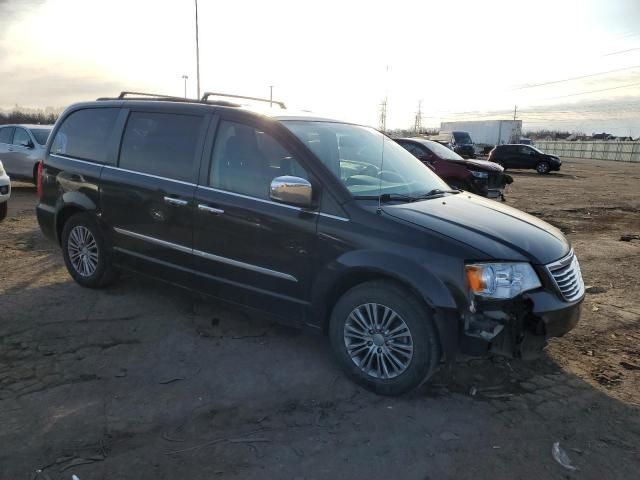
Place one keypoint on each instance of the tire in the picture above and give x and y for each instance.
(4, 207)
(543, 168)
(79, 231)
(421, 347)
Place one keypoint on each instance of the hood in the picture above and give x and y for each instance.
(482, 164)
(499, 231)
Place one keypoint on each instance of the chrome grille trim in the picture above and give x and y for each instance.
(567, 277)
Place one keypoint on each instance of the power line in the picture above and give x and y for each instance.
(596, 91)
(553, 82)
(621, 51)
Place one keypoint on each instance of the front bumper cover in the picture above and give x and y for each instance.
(519, 327)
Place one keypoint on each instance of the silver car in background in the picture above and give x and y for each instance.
(21, 148)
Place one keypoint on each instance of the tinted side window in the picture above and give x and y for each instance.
(85, 134)
(245, 160)
(20, 137)
(6, 134)
(162, 144)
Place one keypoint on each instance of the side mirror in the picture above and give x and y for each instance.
(291, 190)
(26, 143)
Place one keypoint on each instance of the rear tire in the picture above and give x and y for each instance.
(4, 207)
(543, 168)
(401, 349)
(85, 253)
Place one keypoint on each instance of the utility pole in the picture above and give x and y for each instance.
(383, 116)
(417, 126)
(197, 51)
(185, 78)
(271, 96)
(515, 111)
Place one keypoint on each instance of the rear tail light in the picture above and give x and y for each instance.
(39, 179)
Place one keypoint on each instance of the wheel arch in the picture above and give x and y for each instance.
(72, 203)
(422, 283)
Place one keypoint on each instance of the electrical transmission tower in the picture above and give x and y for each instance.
(383, 115)
(417, 126)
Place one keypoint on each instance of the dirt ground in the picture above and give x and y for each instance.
(144, 381)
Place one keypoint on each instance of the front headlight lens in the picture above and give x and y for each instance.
(479, 174)
(501, 280)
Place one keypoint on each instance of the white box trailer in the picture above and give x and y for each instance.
(487, 133)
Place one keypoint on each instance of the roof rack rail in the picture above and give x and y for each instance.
(148, 96)
(123, 95)
(205, 98)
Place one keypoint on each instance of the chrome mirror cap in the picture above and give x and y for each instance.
(291, 190)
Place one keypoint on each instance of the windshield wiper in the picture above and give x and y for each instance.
(388, 197)
(435, 192)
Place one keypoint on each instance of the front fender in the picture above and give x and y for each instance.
(357, 266)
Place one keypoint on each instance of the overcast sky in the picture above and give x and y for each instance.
(463, 59)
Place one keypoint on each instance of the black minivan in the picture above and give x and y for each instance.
(309, 221)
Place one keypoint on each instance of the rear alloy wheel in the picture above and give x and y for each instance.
(542, 167)
(384, 337)
(85, 253)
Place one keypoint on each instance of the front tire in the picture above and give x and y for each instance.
(4, 207)
(384, 337)
(543, 168)
(85, 253)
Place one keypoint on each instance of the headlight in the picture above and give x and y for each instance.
(479, 174)
(2, 172)
(501, 280)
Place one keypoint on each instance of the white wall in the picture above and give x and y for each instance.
(609, 150)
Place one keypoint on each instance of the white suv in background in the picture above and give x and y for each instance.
(5, 192)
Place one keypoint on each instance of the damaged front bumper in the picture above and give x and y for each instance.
(519, 327)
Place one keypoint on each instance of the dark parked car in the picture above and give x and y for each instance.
(524, 156)
(312, 222)
(21, 148)
(458, 141)
(476, 176)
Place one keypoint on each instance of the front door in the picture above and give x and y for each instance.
(247, 248)
(148, 197)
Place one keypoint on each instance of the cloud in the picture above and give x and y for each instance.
(36, 86)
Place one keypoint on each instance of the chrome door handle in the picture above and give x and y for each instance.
(175, 201)
(207, 208)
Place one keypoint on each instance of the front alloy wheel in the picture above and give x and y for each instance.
(378, 340)
(384, 337)
(543, 167)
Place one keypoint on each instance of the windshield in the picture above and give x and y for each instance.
(462, 138)
(355, 155)
(442, 151)
(41, 134)
(536, 149)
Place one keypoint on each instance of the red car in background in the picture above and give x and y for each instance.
(476, 176)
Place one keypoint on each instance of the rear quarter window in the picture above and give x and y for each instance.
(85, 134)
